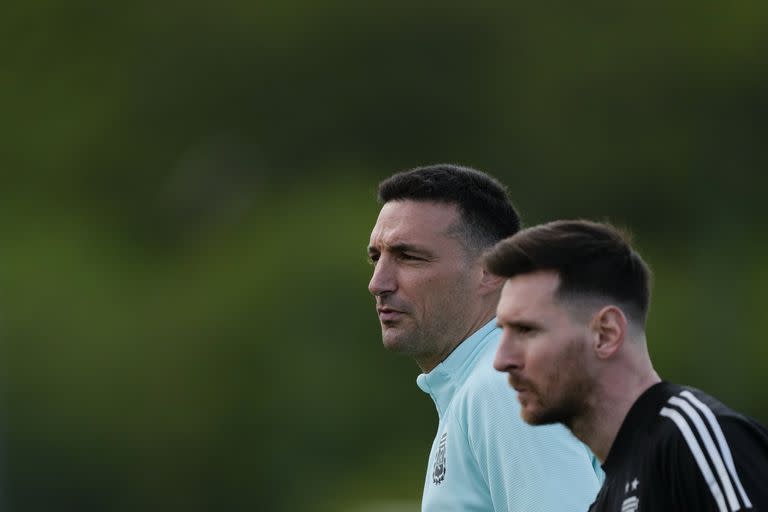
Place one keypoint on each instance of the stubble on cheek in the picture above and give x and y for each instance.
(560, 396)
(397, 336)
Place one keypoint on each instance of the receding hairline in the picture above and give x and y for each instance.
(581, 304)
(593, 259)
(460, 228)
(483, 201)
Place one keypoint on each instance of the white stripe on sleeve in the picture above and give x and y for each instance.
(724, 448)
(693, 445)
(709, 445)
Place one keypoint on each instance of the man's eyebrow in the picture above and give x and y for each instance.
(405, 247)
(516, 322)
(398, 248)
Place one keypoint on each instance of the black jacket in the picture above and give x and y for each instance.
(679, 449)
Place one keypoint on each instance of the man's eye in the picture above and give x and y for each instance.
(410, 257)
(373, 258)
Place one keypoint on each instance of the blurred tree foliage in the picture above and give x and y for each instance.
(187, 190)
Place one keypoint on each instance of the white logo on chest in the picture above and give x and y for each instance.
(631, 504)
(438, 473)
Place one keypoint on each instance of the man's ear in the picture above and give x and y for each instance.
(490, 283)
(609, 326)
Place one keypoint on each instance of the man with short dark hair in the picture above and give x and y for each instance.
(436, 303)
(573, 311)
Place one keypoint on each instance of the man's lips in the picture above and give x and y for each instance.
(517, 385)
(523, 393)
(388, 314)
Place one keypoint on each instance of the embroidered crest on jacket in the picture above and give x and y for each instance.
(438, 474)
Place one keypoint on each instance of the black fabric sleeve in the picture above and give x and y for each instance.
(727, 471)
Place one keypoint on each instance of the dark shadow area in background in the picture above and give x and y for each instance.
(186, 197)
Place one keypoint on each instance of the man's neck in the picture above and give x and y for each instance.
(427, 363)
(604, 415)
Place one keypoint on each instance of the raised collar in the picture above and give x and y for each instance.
(443, 381)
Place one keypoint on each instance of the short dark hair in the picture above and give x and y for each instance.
(591, 258)
(486, 211)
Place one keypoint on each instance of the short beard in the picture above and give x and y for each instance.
(571, 405)
(564, 412)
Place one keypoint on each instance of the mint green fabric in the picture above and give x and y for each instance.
(484, 456)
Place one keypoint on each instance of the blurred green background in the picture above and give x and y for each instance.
(187, 190)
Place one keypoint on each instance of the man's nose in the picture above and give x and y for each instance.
(509, 356)
(383, 281)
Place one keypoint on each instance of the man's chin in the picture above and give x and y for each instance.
(530, 409)
(394, 341)
(531, 418)
(394, 346)
(538, 416)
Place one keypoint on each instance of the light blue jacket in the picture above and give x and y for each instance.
(484, 456)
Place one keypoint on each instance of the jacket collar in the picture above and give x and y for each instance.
(443, 381)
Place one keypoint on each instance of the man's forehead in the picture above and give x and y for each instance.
(411, 221)
(526, 288)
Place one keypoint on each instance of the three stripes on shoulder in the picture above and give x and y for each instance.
(714, 458)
